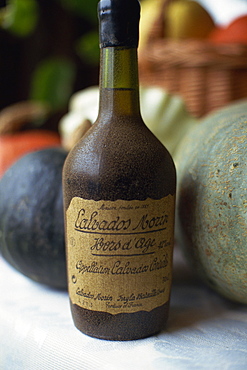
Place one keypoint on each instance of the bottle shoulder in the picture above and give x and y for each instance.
(130, 132)
(120, 161)
(126, 140)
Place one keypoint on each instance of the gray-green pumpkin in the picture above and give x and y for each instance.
(212, 200)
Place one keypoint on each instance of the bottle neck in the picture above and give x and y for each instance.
(119, 83)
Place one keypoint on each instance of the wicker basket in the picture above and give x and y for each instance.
(206, 75)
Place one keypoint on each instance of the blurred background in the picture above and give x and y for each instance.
(49, 48)
(48, 45)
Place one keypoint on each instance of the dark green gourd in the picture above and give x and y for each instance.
(31, 217)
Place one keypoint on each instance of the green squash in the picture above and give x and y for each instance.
(211, 222)
(31, 217)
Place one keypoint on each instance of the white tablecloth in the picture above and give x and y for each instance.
(36, 331)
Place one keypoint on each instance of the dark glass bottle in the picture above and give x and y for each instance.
(119, 194)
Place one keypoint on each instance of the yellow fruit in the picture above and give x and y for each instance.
(187, 19)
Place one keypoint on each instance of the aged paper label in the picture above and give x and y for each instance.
(119, 253)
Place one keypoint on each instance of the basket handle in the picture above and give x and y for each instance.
(158, 28)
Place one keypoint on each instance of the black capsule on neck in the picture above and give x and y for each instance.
(119, 23)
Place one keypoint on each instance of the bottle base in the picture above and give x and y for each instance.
(120, 327)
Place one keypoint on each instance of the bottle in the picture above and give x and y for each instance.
(119, 186)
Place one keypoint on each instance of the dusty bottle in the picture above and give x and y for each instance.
(119, 193)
